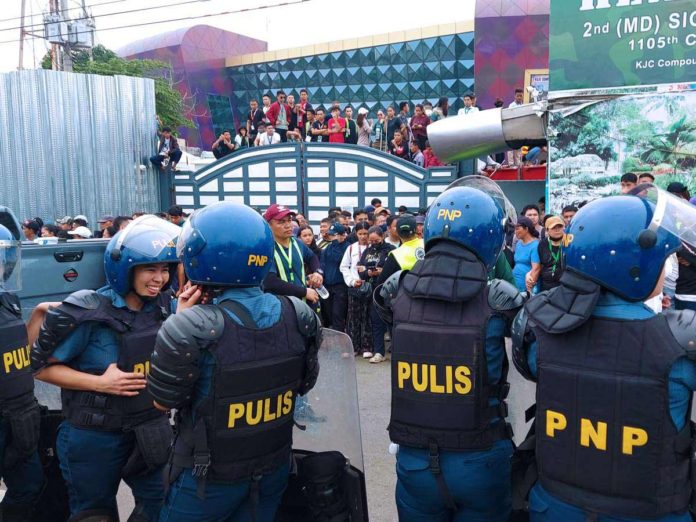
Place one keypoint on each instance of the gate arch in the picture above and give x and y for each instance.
(311, 177)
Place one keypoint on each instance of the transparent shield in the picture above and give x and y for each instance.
(490, 187)
(149, 235)
(10, 266)
(673, 214)
(330, 410)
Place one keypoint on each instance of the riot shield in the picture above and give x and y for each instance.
(672, 214)
(328, 481)
(330, 412)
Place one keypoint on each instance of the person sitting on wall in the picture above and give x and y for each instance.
(223, 145)
(167, 149)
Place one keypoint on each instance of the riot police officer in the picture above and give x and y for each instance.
(96, 346)
(614, 380)
(233, 369)
(19, 412)
(449, 366)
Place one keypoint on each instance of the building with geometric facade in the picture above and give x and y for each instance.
(372, 72)
(219, 72)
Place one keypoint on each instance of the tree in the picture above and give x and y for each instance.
(169, 102)
(676, 146)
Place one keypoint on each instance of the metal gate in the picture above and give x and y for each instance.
(312, 177)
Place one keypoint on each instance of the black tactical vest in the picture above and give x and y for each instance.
(16, 379)
(605, 440)
(137, 333)
(244, 428)
(440, 385)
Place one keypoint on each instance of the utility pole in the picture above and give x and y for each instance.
(22, 34)
(67, 57)
(86, 16)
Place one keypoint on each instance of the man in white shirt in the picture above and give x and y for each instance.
(270, 137)
(519, 98)
(468, 106)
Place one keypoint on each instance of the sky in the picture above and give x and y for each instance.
(305, 23)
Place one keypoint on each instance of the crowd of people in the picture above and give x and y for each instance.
(394, 131)
(399, 277)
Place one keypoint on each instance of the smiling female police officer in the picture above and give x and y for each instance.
(19, 411)
(96, 346)
(234, 370)
(449, 367)
(614, 380)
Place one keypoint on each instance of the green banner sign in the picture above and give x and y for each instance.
(611, 43)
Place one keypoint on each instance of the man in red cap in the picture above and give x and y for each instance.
(296, 271)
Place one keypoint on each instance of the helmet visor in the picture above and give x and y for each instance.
(673, 214)
(490, 187)
(149, 235)
(10, 266)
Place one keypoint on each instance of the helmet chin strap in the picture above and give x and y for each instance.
(146, 298)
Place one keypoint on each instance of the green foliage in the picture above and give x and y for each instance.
(588, 181)
(585, 134)
(169, 102)
(675, 146)
(633, 164)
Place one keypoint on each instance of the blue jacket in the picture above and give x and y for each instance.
(331, 258)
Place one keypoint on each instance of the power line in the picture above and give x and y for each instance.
(63, 11)
(181, 19)
(128, 11)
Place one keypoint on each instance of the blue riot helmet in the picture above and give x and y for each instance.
(226, 244)
(469, 217)
(10, 261)
(617, 243)
(146, 240)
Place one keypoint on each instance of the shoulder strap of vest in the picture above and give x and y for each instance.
(566, 307)
(683, 326)
(87, 299)
(240, 311)
(10, 302)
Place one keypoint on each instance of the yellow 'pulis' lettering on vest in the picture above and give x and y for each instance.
(595, 434)
(251, 413)
(16, 359)
(433, 378)
(142, 368)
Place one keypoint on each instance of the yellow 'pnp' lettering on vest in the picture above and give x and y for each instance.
(428, 378)
(257, 260)
(142, 368)
(588, 433)
(633, 437)
(555, 422)
(260, 410)
(16, 359)
(595, 434)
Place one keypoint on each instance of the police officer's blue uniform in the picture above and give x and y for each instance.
(449, 367)
(233, 369)
(107, 438)
(608, 311)
(19, 415)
